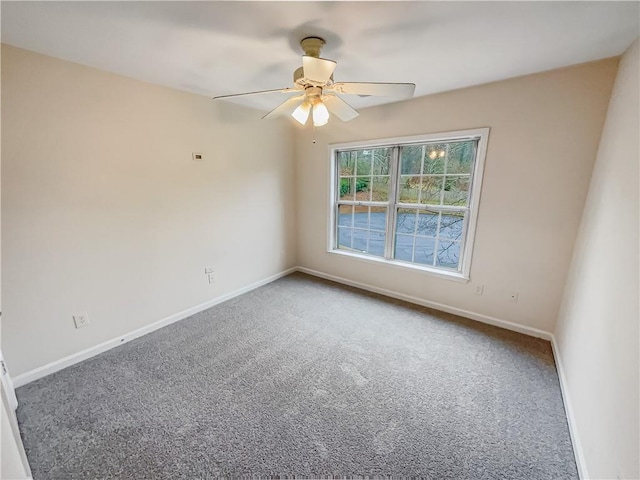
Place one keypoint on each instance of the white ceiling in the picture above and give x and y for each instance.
(216, 48)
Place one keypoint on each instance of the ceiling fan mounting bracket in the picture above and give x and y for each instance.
(312, 46)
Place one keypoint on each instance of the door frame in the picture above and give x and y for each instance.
(7, 384)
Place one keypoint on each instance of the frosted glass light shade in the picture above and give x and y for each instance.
(301, 114)
(320, 114)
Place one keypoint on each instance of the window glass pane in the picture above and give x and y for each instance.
(411, 159)
(376, 243)
(460, 157)
(424, 250)
(378, 218)
(370, 218)
(363, 189)
(451, 225)
(345, 238)
(382, 161)
(360, 239)
(409, 189)
(448, 255)
(404, 247)
(345, 215)
(347, 164)
(364, 159)
(433, 167)
(380, 189)
(415, 235)
(406, 220)
(361, 218)
(456, 190)
(434, 159)
(431, 188)
(347, 188)
(427, 223)
(370, 224)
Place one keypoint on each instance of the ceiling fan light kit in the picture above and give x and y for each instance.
(318, 93)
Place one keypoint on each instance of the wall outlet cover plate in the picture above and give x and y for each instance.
(81, 320)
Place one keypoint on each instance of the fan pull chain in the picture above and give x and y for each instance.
(313, 126)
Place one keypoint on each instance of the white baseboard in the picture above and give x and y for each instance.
(575, 440)
(57, 365)
(577, 448)
(533, 332)
(571, 419)
(77, 357)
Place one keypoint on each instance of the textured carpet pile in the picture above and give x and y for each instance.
(305, 378)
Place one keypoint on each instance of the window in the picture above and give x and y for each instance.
(411, 201)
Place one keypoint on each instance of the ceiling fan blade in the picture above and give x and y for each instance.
(317, 69)
(285, 108)
(400, 90)
(280, 90)
(340, 108)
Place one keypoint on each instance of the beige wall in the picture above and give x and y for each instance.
(597, 332)
(104, 211)
(544, 135)
(13, 459)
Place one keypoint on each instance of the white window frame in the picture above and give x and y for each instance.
(469, 230)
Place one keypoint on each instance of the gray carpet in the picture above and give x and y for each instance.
(305, 378)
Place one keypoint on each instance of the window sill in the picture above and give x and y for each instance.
(452, 276)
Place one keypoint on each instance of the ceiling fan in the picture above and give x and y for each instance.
(318, 93)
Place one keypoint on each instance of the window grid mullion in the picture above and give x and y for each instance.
(455, 214)
(444, 182)
(437, 242)
(424, 150)
(336, 240)
(415, 232)
(371, 174)
(368, 227)
(463, 237)
(353, 226)
(444, 176)
(362, 204)
(444, 208)
(392, 210)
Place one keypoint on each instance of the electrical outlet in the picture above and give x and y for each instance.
(211, 278)
(513, 298)
(198, 157)
(479, 289)
(81, 320)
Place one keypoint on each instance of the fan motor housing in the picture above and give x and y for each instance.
(299, 79)
(298, 76)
